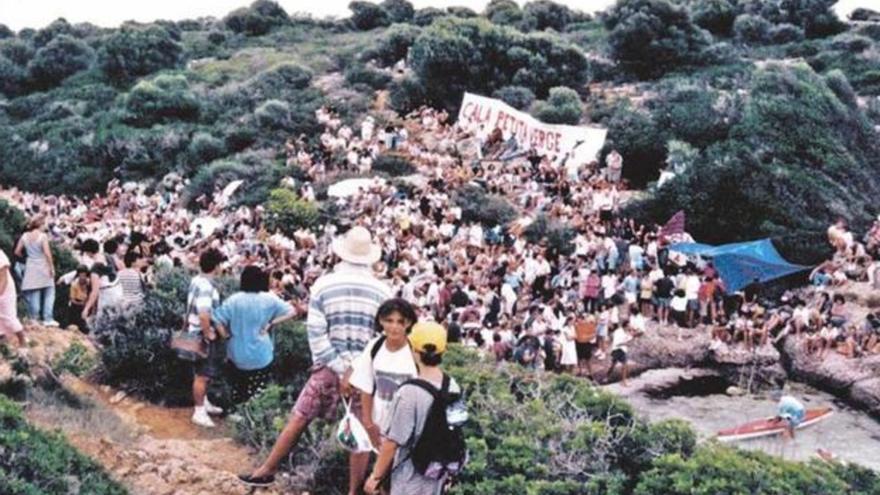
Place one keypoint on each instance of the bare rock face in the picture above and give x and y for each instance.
(854, 380)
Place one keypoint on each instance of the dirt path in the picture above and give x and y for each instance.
(151, 450)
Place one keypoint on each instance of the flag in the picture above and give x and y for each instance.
(674, 227)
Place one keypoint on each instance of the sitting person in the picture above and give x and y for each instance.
(839, 315)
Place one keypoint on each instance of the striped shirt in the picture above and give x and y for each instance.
(132, 286)
(202, 298)
(342, 307)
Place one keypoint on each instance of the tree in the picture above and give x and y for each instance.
(367, 15)
(399, 10)
(640, 141)
(562, 107)
(752, 28)
(16, 50)
(5, 32)
(56, 28)
(12, 77)
(133, 52)
(539, 15)
(426, 16)
(258, 19)
(651, 37)
(716, 16)
(287, 213)
(61, 58)
(394, 44)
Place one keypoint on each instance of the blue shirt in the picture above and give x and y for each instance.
(791, 409)
(245, 314)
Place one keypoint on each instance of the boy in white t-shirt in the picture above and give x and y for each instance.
(384, 365)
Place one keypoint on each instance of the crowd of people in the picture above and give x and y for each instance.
(537, 303)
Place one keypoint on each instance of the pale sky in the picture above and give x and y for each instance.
(18, 14)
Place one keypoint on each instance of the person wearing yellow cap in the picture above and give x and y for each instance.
(409, 412)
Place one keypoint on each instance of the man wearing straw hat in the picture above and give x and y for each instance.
(340, 322)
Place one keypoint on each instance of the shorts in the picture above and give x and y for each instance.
(663, 302)
(248, 383)
(319, 398)
(584, 350)
(602, 331)
(693, 304)
(211, 366)
(618, 356)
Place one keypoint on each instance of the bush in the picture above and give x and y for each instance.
(518, 97)
(76, 360)
(559, 238)
(394, 44)
(286, 213)
(752, 29)
(393, 165)
(651, 37)
(204, 148)
(488, 209)
(367, 15)
(642, 143)
(18, 51)
(133, 52)
(539, 15)
(863, 14)
(260, 18)
(373, 78)
(34, 462)
(852, 43)
(786, 33)
(716, 16)
(163, 99)
(695, 113)
(426, 16)
(12, 223)
(495, 56)
(13, 77)
(63, 57)
(407, 95)
(398, 10)
(260, 173)
(504, 12)
(273, 115)
(562, 107)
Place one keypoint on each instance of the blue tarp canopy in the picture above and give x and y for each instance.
(740, 263)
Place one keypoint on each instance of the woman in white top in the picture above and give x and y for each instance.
(569, 350)
(38, 285)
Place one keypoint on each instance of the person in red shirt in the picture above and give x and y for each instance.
(706, 297)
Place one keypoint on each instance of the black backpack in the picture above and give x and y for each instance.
(440, 449)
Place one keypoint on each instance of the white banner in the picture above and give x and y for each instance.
(483, 115)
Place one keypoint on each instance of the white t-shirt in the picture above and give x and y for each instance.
(381, 377)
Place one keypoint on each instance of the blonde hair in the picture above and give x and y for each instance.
(35, 222)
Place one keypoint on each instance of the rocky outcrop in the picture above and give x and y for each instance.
(856, 381)
(661, 348)
(21, 367)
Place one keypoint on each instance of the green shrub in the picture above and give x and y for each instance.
(752, 28)
(285, 212)
(35, 462)
(204, 148)
(367, 15)
(852, 43)
(12, 223)
(17, 50)
(13, 77)
(516, 96)
(77, 360)
(407, 95)
(258, 19)
(273, 115)
(539, 15)
(637, 137)
(426, 16)
(394, 44)
(398, 10)
(373, 78)
(559, 238)
(505, 12)
(260, 172)
(135, 51)
(63, 57)
(563, 106)
(716, 16)
(786, 33)
(163, 99)
(496, 56)
(651, 37)
(393, 164)
(478, 206)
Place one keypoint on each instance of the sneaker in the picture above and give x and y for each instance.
(212, 409)
(201, 418)
(51, 323)
(249, 480)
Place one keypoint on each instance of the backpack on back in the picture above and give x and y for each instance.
(440, 449)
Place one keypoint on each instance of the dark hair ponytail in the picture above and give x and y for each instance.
(430, 356)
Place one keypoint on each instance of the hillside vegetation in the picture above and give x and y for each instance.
(766, 108)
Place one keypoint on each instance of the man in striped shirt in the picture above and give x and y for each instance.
(340, 322)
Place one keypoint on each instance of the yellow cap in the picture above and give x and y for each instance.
(428, 332)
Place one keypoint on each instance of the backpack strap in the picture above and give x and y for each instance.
(376, 348)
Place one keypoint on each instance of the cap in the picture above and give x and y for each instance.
(428, 332)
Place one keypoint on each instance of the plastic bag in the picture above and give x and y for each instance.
(351, 434)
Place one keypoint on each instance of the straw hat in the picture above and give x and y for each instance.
(357, 247)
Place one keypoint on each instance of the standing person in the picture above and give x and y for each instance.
(202, 298)
(132, 280)
(585, 342)
(619, 339)
(386, 362)
(569, 358)
(10, 326)
(342, 307)
(409, 414)
(614, 166)
(247, 316)
(38, 285)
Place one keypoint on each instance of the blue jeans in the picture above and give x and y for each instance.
(38, 299)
